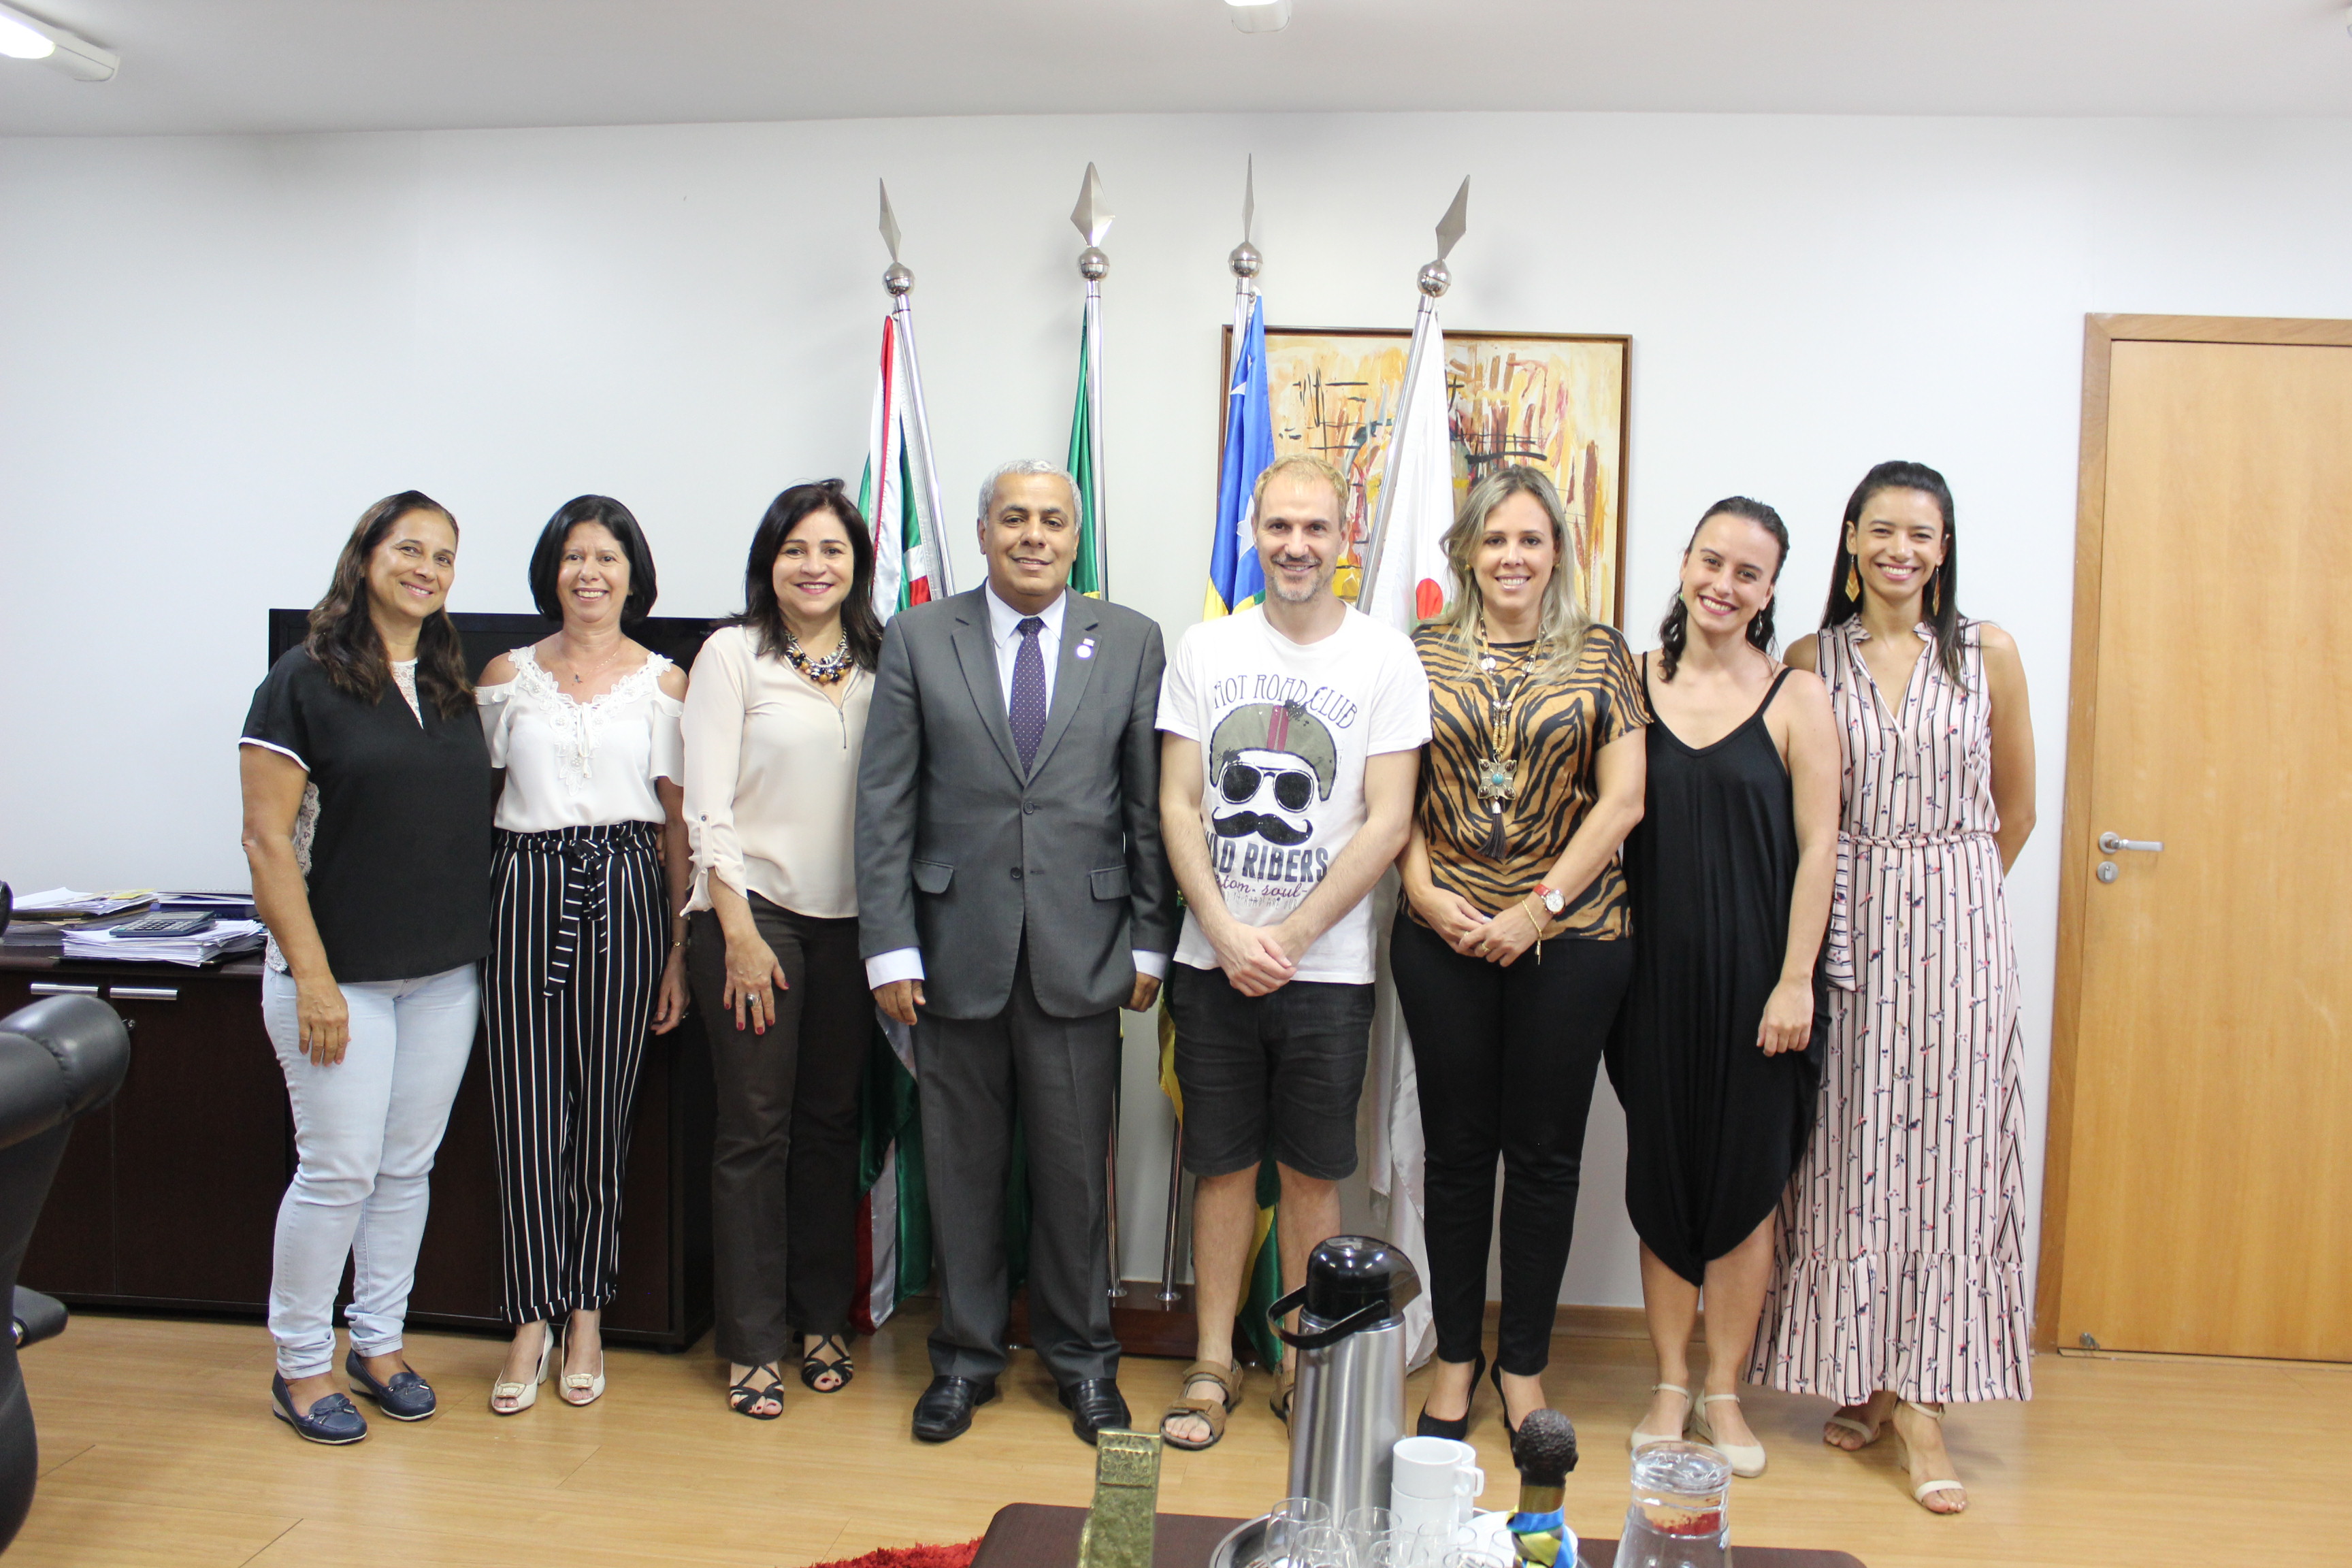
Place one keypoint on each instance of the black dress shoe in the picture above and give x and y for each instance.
(944, 1411)
(1095, 1404)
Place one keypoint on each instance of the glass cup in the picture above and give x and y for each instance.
(1287, 1523)
(1321, 1546)
(1366, 1525)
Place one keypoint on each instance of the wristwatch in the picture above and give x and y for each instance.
(1554, 901)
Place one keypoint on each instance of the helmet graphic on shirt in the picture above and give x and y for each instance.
(1268, 762)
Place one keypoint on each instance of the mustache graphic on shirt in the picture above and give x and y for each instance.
(1267, 825)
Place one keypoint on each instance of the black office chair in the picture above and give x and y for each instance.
(59, 1058)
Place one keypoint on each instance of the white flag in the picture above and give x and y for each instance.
(1413, 585)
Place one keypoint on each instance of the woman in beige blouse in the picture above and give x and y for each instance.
(775, 718)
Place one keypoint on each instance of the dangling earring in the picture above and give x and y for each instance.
(1936, 593)
(1852, 583)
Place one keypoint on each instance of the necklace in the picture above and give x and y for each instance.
(1498, 771)
(580, 674)
(823, 671)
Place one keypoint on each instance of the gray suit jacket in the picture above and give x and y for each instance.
(959, 851)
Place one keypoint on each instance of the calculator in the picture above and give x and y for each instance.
(164, 925)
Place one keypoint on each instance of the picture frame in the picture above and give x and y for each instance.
(1555, 401)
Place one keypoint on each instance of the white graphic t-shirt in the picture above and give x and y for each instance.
(1284, 730)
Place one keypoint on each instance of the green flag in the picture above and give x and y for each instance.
(1087, 574)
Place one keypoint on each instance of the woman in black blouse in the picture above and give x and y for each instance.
(367, 825)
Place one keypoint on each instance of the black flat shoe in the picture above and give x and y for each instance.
(407, 1397)
(333, 1419)
(1459, 1429)
(944, 1412)
(1096, 1405)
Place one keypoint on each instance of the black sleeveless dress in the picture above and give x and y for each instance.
(1714, 1128)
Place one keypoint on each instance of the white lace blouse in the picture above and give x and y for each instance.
(581, 764)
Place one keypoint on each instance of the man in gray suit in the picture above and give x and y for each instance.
(1011, 895)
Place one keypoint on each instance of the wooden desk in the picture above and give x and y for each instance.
(1035, 1535)
(167, 1199)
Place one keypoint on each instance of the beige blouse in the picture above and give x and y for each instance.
(771, 778)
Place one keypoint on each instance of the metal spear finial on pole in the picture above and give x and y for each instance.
(1434, 278)
(1093, 218)
(1246, 261)
(900, 280)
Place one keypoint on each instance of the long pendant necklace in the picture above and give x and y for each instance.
(1498, 770)
(823, 671)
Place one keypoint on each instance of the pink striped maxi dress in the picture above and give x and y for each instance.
(1899, 1259)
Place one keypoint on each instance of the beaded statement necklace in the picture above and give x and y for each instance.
(823, 671)
(1498, 770)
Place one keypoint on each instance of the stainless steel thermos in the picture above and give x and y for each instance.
(1346, 1410)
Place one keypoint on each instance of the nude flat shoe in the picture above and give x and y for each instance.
(1640, 1439)
(1746, 1458)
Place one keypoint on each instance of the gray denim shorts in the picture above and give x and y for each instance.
(1278, 1074)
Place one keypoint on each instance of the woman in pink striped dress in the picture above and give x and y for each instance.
(1898, 1276)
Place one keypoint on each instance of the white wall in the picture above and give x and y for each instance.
(214, 352)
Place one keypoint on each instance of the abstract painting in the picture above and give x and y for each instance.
(1553, 401)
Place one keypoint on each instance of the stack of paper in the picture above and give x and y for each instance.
(65, 901)
(220, 938)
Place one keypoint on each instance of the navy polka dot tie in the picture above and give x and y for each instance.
(1028, 710)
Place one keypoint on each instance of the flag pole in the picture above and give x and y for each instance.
(900, 282)
(1434, 282)
(1093, 220)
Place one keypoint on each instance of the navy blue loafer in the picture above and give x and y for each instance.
(407, 1397)
(332, 1418)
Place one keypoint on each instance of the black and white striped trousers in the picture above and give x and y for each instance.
(580, 917)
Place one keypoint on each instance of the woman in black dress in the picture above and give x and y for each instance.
(1730, 872)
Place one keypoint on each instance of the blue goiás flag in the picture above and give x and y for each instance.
(1236, 578)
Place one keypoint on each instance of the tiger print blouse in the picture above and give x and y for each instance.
(1556, 731)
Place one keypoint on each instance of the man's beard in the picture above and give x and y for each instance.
(1274, 587)
(1270, 827)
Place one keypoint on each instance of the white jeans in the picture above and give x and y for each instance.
(365, 1132)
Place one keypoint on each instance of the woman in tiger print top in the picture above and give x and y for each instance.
(1509, 951)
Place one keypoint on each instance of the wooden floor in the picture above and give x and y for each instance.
(156, 1449)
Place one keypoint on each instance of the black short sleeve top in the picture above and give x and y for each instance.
(400, 862)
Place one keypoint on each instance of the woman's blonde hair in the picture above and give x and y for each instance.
(1560, 633)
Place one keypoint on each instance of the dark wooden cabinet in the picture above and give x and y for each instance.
(168, 1198)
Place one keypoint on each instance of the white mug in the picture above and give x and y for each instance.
(1435, 1480)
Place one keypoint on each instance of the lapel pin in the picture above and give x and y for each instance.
(1086, 648)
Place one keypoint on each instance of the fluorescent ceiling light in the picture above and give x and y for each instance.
(1259, 15)
(31, 38)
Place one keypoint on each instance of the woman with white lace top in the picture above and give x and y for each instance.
(586, 885)
(367, 825)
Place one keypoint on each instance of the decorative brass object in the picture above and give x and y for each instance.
(1127, 1502)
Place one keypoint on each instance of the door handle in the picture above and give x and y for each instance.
(2111, 843)
(59, 988)
(144, 993)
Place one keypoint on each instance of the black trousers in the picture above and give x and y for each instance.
(581, 916)
(1059, 1074)
(1505, 1059)
(783, 1159)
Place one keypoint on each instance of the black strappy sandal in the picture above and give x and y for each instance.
(745, 1400)
(813, 1367)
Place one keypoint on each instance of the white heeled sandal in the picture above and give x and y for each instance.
(1640, 1439)
(576, 1384)
(1925, 1489)
(1746, 1458)
(524, 1394)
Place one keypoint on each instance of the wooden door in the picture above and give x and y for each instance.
(2201, 1112)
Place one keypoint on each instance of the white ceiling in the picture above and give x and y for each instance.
(351, 65)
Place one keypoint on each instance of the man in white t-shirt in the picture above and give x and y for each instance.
(1290, 736)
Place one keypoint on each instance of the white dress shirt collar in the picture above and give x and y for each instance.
(1004, 621)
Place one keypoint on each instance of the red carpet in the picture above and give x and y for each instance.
(911, 1557)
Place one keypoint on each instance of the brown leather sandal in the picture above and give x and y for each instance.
(1228, 1380)
(1285, 1383)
